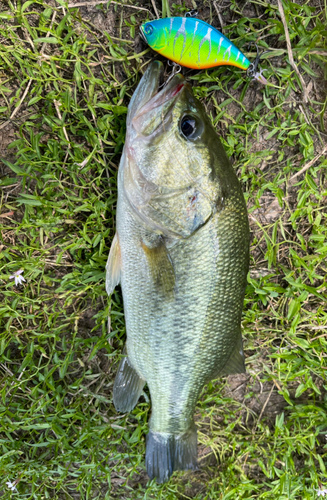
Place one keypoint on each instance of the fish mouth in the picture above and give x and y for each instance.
(159, 104)
(169, 91)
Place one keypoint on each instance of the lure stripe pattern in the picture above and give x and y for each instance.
(192, 43)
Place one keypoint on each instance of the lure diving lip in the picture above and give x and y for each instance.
(192, 43)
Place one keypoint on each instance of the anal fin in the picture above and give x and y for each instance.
(235, 363)
(128, 386)
(113, 267)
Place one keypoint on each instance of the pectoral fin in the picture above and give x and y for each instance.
(113, 267)
(161, 268)
(235, 363)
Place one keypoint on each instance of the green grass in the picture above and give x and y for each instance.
(60, 435)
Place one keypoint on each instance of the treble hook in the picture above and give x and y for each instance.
(252, 69)
(191, 13)
(177, 68)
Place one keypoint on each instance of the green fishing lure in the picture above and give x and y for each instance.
(192, 43)
(196, 44)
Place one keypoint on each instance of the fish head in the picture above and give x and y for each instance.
(174, 158)
(155, 34)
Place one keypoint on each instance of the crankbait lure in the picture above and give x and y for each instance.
(192, 43)
(196, 44)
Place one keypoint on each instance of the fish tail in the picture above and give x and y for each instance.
(166, 453)
(128, 386)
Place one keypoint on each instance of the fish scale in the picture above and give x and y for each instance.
(192, 43)
(181, 255)
(174, 331)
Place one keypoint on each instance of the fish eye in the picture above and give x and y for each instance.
(190, 127)
(148, 29)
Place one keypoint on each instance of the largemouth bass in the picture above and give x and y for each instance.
(181, 254)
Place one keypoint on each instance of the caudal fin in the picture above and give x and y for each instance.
(166, 453)
(128, 386)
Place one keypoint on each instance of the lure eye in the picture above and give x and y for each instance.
(190, 128)
(148, 29)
